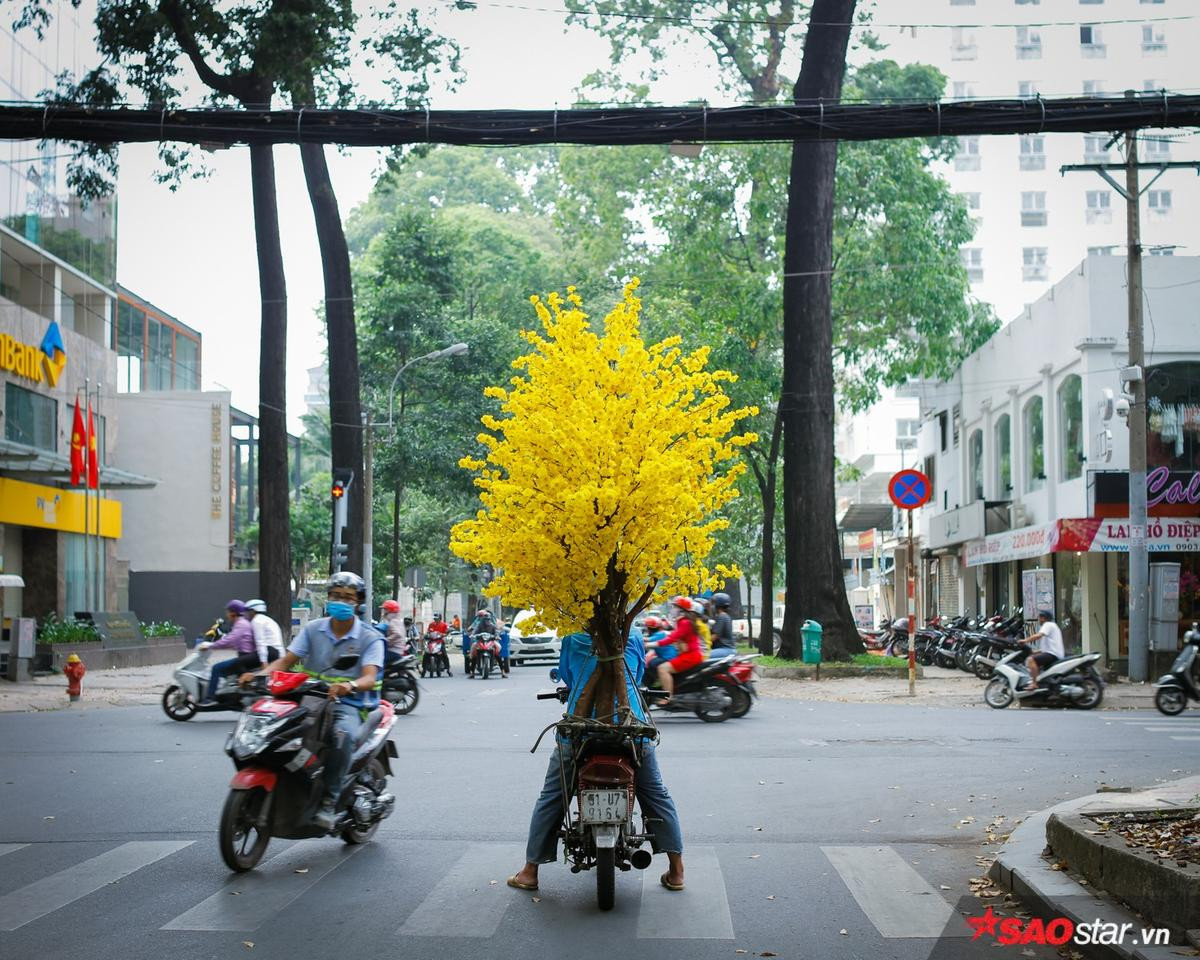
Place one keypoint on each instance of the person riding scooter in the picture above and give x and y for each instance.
(241, 639)
(1050, 646)
(353, 691)
(723, 642)
(268, 638)
(686, 637)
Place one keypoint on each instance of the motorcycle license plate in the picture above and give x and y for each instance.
(604, 806)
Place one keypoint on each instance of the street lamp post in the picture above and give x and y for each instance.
(454, 350)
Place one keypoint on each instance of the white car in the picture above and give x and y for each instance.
(539, 644)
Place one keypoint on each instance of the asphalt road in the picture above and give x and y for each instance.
(826, 830)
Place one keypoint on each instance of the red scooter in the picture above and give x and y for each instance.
(278, 748)
(485, 654)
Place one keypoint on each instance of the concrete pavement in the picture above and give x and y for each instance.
(837, 830)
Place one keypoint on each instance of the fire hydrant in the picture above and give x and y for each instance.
(74, 669)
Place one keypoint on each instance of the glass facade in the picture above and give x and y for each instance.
(1070, 427)
(30, 418)
(154, 351)
(1173, 421)
(1035, 446)
(1003, 457)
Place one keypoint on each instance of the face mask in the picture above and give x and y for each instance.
(339, 609)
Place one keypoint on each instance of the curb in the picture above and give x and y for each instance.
(1021, 869)
(837, 673)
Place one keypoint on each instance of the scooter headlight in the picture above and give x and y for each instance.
(252, 733)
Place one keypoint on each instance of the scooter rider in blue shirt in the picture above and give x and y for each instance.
(575, 665)
(355, 691)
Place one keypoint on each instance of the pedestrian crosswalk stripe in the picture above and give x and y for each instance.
(1185, 738)
(894, 897)
(700, 913)
(59, 889)
(469, 881)
(11, 847)
(266, 890)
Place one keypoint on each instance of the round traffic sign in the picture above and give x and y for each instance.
(910, 489)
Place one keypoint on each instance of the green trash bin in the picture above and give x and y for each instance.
(811, 635)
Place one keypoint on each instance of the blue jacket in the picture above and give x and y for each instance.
(576, 663)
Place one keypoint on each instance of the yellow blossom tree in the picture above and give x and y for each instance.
(603, 479)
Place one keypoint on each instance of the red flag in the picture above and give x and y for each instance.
(93, 469)
(78, 464)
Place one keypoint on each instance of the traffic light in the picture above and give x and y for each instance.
(340, 556)
(339, 490)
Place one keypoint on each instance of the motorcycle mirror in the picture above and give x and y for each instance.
(554, 674)
(345, 662)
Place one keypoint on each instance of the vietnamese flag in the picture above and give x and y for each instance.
(93, 469)
(78, 464)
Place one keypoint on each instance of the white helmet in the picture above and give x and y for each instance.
(258, 606)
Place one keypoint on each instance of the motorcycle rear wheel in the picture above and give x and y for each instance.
(1091, 700)
(355, 835)
(237, 825)
(715, 714)
(405, 701)
(998, 694)
(741, 702)
(606, 878)
(178, 705)
(1170, 701)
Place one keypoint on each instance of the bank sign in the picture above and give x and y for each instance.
(41, 364)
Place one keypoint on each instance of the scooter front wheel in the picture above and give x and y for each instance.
(998, 694)
(242, 841)
(1170, 700)
(177, 704)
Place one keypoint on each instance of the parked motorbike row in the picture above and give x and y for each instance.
(994, 649)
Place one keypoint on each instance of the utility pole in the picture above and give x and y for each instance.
(1135, 377)
(368, 536)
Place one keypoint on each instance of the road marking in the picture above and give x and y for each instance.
(465, 902)
(1185, 738)
(11, 847)
(699, 913)
(59, 889)
(493, 692)
(1170, 729)
(894, 897)
(265, 891)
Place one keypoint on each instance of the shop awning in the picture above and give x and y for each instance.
(42, 466)
(867, 516)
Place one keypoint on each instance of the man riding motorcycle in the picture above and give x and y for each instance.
(484, 622)
(354, 691)
(1050, 646)
(268, 638)
(723, 642)
(241, 638)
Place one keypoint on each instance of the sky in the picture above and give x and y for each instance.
(191, 251)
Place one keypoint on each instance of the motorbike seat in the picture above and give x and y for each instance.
(368, 727)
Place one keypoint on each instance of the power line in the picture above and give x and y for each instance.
(795, 122)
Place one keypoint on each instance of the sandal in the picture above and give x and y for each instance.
(521, 885)
(665, 881)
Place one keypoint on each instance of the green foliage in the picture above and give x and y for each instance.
(161, 628)
(310, 529)
(68, 630)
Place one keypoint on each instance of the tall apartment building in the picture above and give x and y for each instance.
(1033, 223)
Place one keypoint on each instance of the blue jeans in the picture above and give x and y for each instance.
(652, 797)
(346, 724)
(717, 653)
(235, 666)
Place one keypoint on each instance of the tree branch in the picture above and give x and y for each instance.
(222, 83)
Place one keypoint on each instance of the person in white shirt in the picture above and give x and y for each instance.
(1050, 646)
(268, 638)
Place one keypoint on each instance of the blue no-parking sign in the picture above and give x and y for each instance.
(910, 489)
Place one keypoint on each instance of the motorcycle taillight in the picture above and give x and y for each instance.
(606, 772)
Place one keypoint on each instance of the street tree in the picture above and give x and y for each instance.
(601, 480)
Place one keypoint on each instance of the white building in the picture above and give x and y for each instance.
(1029, 474)
(1033, 223)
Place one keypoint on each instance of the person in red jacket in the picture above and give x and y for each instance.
(686, 639)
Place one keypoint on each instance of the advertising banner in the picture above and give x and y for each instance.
(1021, 544)
(1112, 535)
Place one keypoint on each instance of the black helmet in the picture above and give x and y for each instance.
(721, 601)
(345, 578)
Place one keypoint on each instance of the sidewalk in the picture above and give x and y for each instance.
(101, 688)
(938, 688)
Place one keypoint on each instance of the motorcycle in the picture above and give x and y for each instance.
(710, 690)
(598, 823)
(434, 660)
(742, 670)
(181, 700)
(1070, 682)
(485, 655)
(400, 684)
(278, 749)
(1173, 690)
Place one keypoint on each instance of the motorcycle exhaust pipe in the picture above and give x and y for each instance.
(641, 859)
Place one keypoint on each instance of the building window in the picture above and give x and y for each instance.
(1029, 44)
(1035, 446)
(962, 44)
(1094, 3)
(1160, 251)
(1027, 89)
(906, 434)
(962, 3)
(1095, 149)
(1003, 431)
(975, 449)
(130, 335)
(967, 157)
(1159, 201)
(187, 363)
(1033, 263)
(1093, 88)
(1033, 208)
(1028, 3)
(1154, 41)
(1172, 398)
(1099, 206)
(1033, 152)
(963, 89)
(1100, 251)
(974, 202)
(1090, 44)
(1155, 148)
(1070, 427)
(956, 420)
(972, 260)
(943, 429)
(30, 418)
